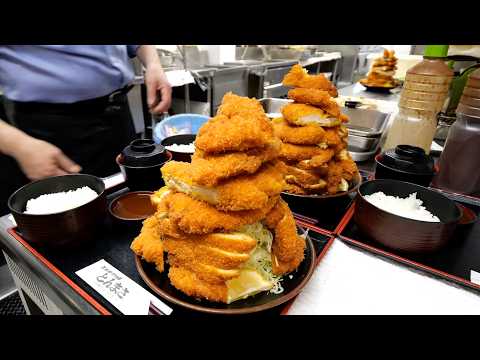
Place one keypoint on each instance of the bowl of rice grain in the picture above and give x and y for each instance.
(61, 211)
(405, 216)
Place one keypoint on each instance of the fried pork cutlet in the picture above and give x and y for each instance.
(295, 189)
(307, 179)
(239, 105)
(317, 161)
(246, 192)
(241, 124)
(237, 133)
(209, 170)
(148, 244)
(287, 247)
(291, 152)
(189, 283)
(302, 114)
(311, 134)
(298, 77)
(197, 217)
(318, 98)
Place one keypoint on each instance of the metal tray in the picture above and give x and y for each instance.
(366, 122)
(362, 143)
(363, 122)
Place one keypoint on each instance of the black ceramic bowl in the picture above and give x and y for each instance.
(183, 139)
(143, 178)
(312, 203)
(401, 233)
(65, 229)
(384, 171)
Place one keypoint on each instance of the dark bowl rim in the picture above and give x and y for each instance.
(343, 193)
(178, 152)
(10, 207)
(168, 152)
(460, 211)
(377, 160)
(123, 195)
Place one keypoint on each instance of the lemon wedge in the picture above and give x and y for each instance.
(248, 283)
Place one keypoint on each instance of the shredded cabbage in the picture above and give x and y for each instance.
(260, 259)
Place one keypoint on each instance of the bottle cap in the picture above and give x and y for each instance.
(436, 51)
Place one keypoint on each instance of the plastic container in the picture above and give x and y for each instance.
(178, 124)
(423, 96)
(459, 165)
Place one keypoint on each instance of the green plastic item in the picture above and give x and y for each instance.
(458, 84)
(436, 51)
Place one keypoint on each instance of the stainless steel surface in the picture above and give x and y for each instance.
(360, 91)
(360, 156)
(7, 286)
(273, 105)
(366, 122)
(362, 143)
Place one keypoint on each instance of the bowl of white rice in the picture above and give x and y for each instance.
(181, 146)
(60, 211)
(405, 216)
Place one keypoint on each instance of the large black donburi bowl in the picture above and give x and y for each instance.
(66, 229)
(401, 233)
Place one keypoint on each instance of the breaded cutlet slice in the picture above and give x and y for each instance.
(189, 283)
(303, 114)
(318, 98)
(244, 192)
(198, 217)
(311, 134)
(209, 170)
(148, 243)
(298, 77)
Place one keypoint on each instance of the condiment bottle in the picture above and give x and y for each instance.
(459, 165)
(423, 96)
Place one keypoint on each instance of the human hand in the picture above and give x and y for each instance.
(156, 81)
(39, 159)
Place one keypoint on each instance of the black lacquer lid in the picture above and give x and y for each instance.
(143, 152)
(408, 158)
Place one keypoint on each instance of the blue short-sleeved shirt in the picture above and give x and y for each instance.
(64, 73)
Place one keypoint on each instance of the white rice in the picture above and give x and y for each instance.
(409, 207)
(61, 201)
(183, 148)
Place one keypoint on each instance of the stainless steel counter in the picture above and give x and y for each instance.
(360, 91)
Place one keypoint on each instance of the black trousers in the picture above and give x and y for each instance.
(92, 133)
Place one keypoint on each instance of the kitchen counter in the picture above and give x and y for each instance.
(358, 90)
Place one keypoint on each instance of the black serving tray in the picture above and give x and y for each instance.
(113, 245)
(453, 262)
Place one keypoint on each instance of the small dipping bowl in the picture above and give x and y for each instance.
(132, 206)
(183, 139)
(401, 233)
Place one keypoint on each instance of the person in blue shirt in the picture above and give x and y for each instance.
(67, 109)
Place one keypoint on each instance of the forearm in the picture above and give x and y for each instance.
(11, 139)
(148, 56)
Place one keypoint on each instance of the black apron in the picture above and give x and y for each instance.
(91, 133)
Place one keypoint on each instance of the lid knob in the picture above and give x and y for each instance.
(410, 151)
(143, 145)
(144, 152)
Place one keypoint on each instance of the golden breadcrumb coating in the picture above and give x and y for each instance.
(189, 283)
(148, 243)
(299, 78)
(209, 170)
(197, 217)
(302, 135)
(303, 114)
(318, 98)
(245, 192)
